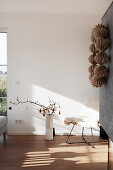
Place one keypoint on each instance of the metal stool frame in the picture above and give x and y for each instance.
(85, 141)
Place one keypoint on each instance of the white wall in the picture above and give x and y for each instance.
(48, 55)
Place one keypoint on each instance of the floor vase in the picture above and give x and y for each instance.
(49, 127)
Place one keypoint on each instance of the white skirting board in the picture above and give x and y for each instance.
(43, 133)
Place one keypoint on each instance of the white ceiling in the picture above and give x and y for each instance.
(55, 7)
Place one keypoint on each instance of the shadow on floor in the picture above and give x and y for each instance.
(33, 152)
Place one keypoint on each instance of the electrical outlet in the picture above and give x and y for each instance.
(17, 82)
(19, 121)
(16, 121)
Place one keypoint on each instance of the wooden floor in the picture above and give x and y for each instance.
(33, 152)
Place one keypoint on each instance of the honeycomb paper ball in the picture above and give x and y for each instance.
(101, 58)
(102, 44)
(93, 39)
(97, 27)
(100, 72)
(98, 82)
(90, 77)
(100, 33)
(91, 69)
(93, 49)
(92, 59)
(91, 74)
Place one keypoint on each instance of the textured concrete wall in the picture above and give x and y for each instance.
(106, 91)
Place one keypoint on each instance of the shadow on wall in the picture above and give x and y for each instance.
(34, 122)
(69, 108)
(67, 103)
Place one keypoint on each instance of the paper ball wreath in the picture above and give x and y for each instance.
(98, 72)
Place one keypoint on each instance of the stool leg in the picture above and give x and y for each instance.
(92, 137)
(70, 134)
(83, 132)
(4, 135)
(85, 139)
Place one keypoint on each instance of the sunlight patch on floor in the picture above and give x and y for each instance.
(37, 159)
(77, 154)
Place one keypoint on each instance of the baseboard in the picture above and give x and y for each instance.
(43, 133)
(25, 133)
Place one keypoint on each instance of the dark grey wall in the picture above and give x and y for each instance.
(106, 91)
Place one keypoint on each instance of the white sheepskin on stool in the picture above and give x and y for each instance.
(73, 120)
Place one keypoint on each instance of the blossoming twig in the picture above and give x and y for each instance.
(50, 109)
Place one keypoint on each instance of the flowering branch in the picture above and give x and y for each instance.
(50, 109)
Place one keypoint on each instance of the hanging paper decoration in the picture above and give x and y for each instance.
(101, 58)
(100, 43)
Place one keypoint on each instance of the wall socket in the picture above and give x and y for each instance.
(19, 121)
(17, 82)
